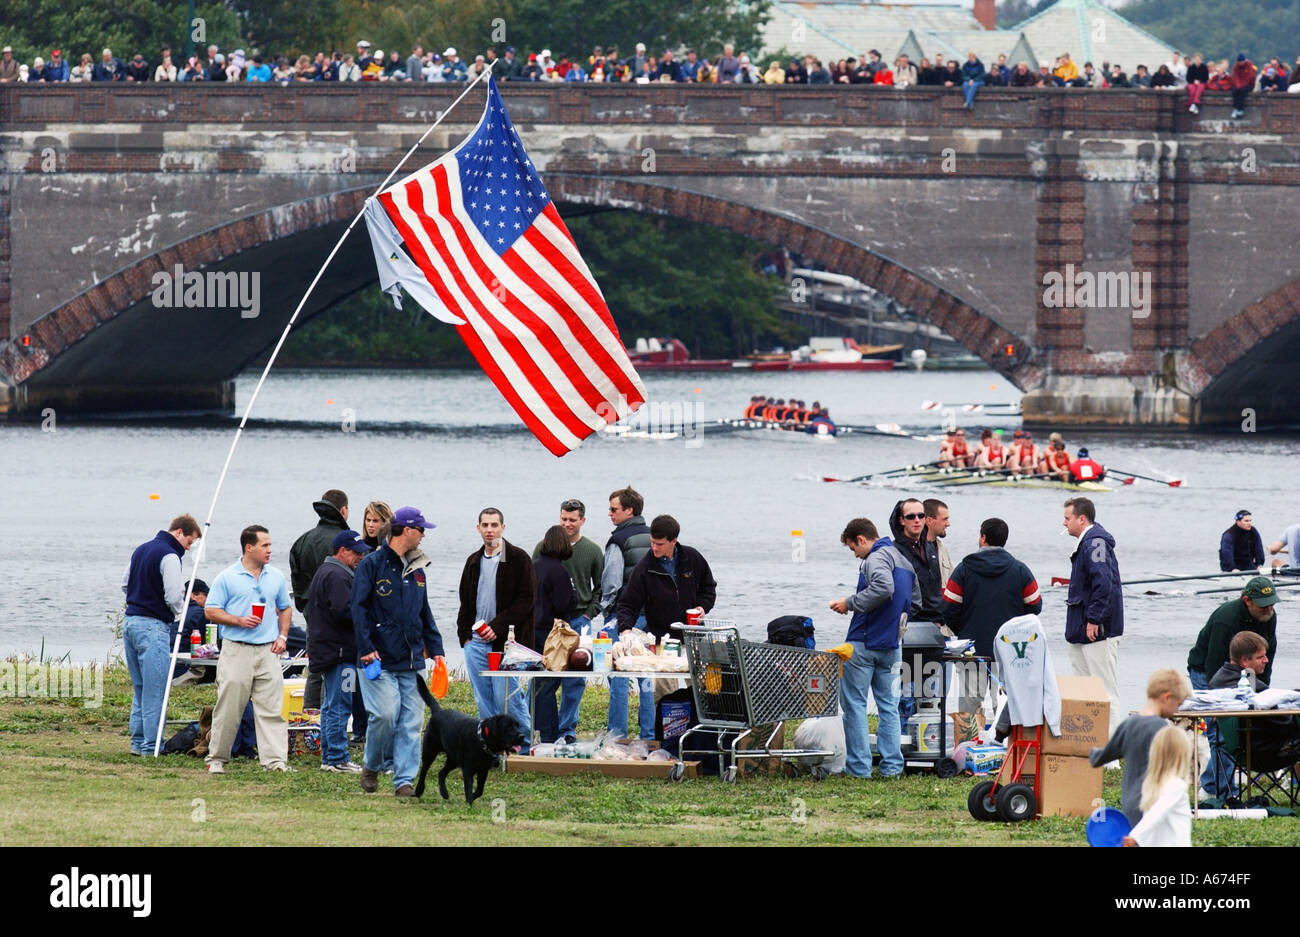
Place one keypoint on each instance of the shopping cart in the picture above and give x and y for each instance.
(739, 685)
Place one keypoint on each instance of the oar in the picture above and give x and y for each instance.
(1172, 483)
(1143, 582)
(935, 405)
(896, 471)
(999, 476)
(1276, 585)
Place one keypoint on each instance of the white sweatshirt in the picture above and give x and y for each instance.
(1025, 666)
(1169, 821)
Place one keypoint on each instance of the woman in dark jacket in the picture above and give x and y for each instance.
(1198, 78)
(556, 598)
(926, 74)
(972, 77)
(1163, 78)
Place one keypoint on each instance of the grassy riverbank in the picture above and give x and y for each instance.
(68, 779)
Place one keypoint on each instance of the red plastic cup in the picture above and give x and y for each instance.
(258, 611)
(494, 660)
(694, 618)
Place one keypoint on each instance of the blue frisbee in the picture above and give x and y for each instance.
(1107, 826)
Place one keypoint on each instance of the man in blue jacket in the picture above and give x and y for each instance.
(1094, 615)
(393, 624)
(1241, 547)
(332, 646)
(887, 589)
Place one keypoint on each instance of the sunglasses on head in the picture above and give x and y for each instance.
(573, 504)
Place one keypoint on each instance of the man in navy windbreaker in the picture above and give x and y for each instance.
(1094, 615)
(393, 623)
(887, 589)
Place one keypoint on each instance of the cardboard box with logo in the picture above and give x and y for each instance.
(1070, 785)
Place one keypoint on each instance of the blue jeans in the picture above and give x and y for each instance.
(876, 671)
(969, 88)
(1217, 777)
(148, 660)
(559, 722)
(396, 713)
(492, 695)
(337, 685)
(619, 688)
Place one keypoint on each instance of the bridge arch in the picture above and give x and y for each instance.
(1248, 362)
(78, 354)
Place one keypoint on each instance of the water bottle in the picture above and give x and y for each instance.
(510, 638)
(1243, 682)
(194, 644)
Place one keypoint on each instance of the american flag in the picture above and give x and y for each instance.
(489, 253)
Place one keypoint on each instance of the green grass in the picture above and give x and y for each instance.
(68, 779)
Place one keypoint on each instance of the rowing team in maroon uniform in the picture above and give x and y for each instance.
(1020, 456)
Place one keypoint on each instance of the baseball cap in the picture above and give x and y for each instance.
(410, 517)
(350, 539)
(450, 50)
(7, 49)
(1240, 514)
(200, 588)
(1260, 591)
(1083, 453)
(362, 44)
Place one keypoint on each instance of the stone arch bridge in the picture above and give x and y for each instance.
(1121, 261)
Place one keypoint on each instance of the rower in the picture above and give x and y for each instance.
(1084, 469)
(755, 402)
(821, 418)
(962, 457)
(1055, 460)
(945, 449)
(1241, 546)
(769, 412)
(992, 456)
(1023, 457)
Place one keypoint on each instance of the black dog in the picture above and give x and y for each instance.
(473, 745)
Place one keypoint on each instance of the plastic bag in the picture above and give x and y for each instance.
(519, 657)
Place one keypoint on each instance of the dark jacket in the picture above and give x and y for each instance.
(509, 69)
(662, 598)
(516, 588)
(1199, 73)
(950, 73)
(144, 586)
(1210, 652)
(331, 638)
(1229, 675)
(1095, 595)
(1240, 549)
(390, 611)
(310, 550)
(927, 76)
(972, 71)
(141, 72)
(113, 71)
(556, 597)
(1243, 74)
(985, 591)
(1017, 80)
(924, 558)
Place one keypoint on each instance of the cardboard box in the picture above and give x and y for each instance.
(519, 764)
(1070, 786)
(1085, 717)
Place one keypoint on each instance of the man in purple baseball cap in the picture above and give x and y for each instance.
(393, 624)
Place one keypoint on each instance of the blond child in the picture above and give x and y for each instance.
(1166, 690)
(1166, 812)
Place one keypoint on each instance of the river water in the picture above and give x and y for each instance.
(78, 499)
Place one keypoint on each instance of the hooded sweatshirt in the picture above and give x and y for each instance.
(887, 589)
(1025, 664)
(987, 589)
(310, 550)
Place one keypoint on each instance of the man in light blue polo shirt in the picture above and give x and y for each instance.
(249, 666)
(1288, 543)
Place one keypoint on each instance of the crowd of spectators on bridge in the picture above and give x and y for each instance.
(1193, 75)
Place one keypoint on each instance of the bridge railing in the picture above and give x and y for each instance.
(28, 105)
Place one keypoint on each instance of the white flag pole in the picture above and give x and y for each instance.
(194, 571)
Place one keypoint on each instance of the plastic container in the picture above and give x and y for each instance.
(600, 653)
(1107, 826)
(924, 728)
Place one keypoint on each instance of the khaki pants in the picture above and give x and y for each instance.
(1099, 659)
(245, 672)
